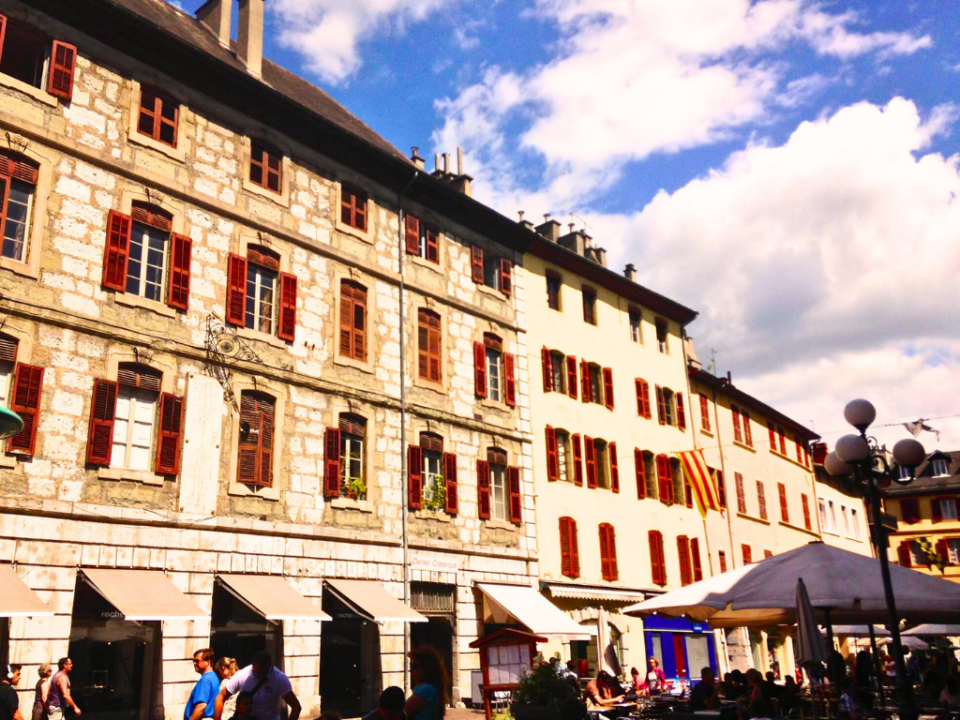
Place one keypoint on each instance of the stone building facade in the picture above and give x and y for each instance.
(205, 295)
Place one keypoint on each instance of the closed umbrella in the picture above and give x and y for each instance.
(808, 635)
(607, 654)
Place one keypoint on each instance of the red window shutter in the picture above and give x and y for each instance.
(747, 554)
(572, 376)
(799, 452)
(590, 455)
(721, 489)
(638, 387)
(704, 412)
(741, 493)
(170, 435)
(614, 467)
(641, 473)
(265, 418)
(565, 555)
(3, 31)
(414, 477)
(665, 479)
(645, 393)
(450, 481)
(608, 388)
(661, 406)
(695, 559)
(722, 557)
(936, 510)
(683, 551)
(943, 550)
(25, 401)
(516, 499)
(509, 379)
(585, 393)
(773, 436)
(553, 464)
(577, 460)
(805, 503)
(483, 489)
(287, 327)
(747, 429)
(480, 369)
(63, 61)
(5, 180)
(103, 408)
(784, 509)
(116, 251)
(612, 569)
(767, 554)
(248, 447)
(687, 493)
(574, 550)
(178, 295)
(761, 500)
(783, 441)
(910, 509)
(506, 276)
(476, 264)
(413, 234)
(236, 289)
(737, 432)
(657, 565)
(681, 413)
(331, 463)
(903, 554)
(547, 368)
(433, 246)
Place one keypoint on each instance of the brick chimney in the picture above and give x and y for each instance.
(250, 35)
(630, 272)
(415, 157)
(215, 14)
(549, 228)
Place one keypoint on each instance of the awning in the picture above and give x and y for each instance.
(142, 595)
(273, 597)
(574, 592)
(369, 599)
(16, 599)
(530, 608)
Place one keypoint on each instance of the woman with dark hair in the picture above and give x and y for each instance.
(429, 679)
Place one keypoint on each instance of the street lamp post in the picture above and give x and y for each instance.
(862, 465)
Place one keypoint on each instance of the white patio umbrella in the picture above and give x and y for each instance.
(811, 647)
(914, 643)
(859, 631)
(845, 584)
(607, 655)
(934, 629)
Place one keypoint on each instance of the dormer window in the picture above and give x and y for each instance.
(940, 467)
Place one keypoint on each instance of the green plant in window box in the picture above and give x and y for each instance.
(438, 499)
(354, 488)
(544, 695)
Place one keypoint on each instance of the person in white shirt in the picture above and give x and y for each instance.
(267, 684)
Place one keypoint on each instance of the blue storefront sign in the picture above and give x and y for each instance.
(683, 648)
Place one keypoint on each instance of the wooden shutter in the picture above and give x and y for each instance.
(414, 477)
(943, 550)
(608, 552)
(553, 463)
(608, 387)
(586, 393)
(3, 32)
(103, 409)
(683, 550)
(704, 412)
(577, 460)
(741, 493)
(509, 379)
(687, 491)
(331, 463)
(506, 276)
(799, 451)
(480, 369)
(784, 509)
(433, 246)
(643, 391)
(657, 565)
(661, 406)
(936, 510)
(353, 320)
(25, 399)
(178, 294)
(516, 499)
(483, 489)
(170, 435)
(641, 473)
(255, 452)
(783, 441)
(910, 509)
(614, 467)
(747, 430)
(773, 436)
(569, 552)
(695, 559)
(572, 376)
(903, 554)
(547, 367)
(721, 489)
(236, 289)
(4, 188)
(590, 455)
(805, 502)
(63, 61)
(476, 264)
(737, 432)
(747, 554)
(287, 327)
(665, 479)
(412, 234)
(429, 362)
(450, 481)
(762, 500)
(681, 412)
(116, 251)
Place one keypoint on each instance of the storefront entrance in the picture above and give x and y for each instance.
(238, 631)
(437, 603)
(350, 675)
(682, 648)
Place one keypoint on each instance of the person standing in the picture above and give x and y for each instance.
(267, 686)
(654, 682)
(226, 668)
(204, 695)
(429, 679)
(59, 695)
(9, 700)
(42, 690)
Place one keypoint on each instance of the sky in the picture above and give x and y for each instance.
(787, 168)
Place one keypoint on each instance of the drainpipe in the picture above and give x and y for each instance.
(404, 491)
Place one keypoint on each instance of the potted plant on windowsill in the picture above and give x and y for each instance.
(354, 488)
(544, 695)
(437, 502)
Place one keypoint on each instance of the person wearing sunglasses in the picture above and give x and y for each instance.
(429, 679)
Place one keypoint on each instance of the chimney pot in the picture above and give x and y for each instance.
(216, 15)
(415, 157)
(436, 162)
(520, 213)
(630, 272)
(459, 160)
(546, 217)
(250, 35)
(446, 163)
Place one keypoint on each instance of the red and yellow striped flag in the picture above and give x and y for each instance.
(704, 487)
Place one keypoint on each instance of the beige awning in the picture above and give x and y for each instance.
(143, 594)
(577, 592)
(16, 599)
(530, 608)
(273, 597)
(369, 599)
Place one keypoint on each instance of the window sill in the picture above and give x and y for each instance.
(364, 506)
(707, 433)
(141, 476)
(249, 334)
(136, 301)
(8, 462)
(361, 365)
(176, 153)
(437, 387)
(744, 446)
(282, 198)
(495, 404)
(753, 519)
(500, 525)
(364, 235)
(34, 92)
(439, 516)
(492, 292)
(30, 270)
(424, 263)
(798, 528)
(241, 490)
(790, 460)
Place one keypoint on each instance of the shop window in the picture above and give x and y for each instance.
(266, 167)
(21, 390)
(259, 296)
(589, 305)
(238, 631)
(762, 500)
(159, 116)
(662, 336)
(608, 553)
(422, 240)
(569, 548)
(353, 437)
(554, 282)
(353, 208)
(18, 188)
(256, 446)
(635, 334)
(429, 346)
(353, 320)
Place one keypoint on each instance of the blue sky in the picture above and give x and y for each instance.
(786, 167)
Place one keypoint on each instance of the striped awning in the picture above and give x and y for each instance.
(574, 592)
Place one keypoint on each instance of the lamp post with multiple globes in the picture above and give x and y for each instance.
(862, 465)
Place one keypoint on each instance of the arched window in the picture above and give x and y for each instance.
(18, 188)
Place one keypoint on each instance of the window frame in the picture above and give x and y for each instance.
(663, 335)
(353, 296)
(499, 470)
(553, 298)
(348, 439)
(589, 299)
(635, 320)
(261, 154)
(429, 327)
(160, 100)
(260, 272)
(940, 462)
(350, 208)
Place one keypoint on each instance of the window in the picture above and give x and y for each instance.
(679, 481)
(252, 301)
(832, 516)
(737, 431)
(943, 509)
(431, 447)
(608, 553)
(601, 459)
(596, 383)
(261, 291)
(494, 371)
(683, 552)
(662, 333)
(498, 484)
(799, 451)
(159, 116)
(553, 290)
(822, 511)
(146, 265)
(432, 476)
(906, 472)
(917, 556)
(563, 456)
(650, 475)
(747, 554)
(781, 435)
(704, 413)
(255, 449)
(658, 565)
(353, 322)
(18, 185)
(569, 550)
(805, 503)
(266, 167)
(784, 509)
(643, 398)
(494, 272)
(29, 56)
(635, 333)
(940, 467)
(353, 208)
(133, 424)
(741, 493)
(554, 371)
(422, 240)
(590, 305)
(353, 432)
(953, 551)
(665, 406)
(747, 430)
(494, 359)
(854, 524)
(722, 557)
(429, 346)
(773, 437)
(21, 389)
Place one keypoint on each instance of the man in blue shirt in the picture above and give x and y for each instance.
(201, 702)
